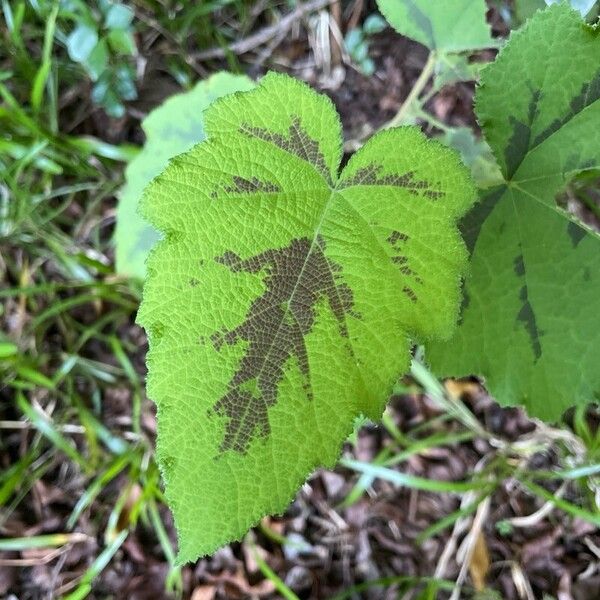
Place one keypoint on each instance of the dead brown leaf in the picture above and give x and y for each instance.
(480, 563)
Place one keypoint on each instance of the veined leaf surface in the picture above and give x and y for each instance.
(441, 25)
(281, 302)
(531, 319)
(170, 129)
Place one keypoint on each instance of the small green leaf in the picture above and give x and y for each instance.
(367, 66)
(118, 16)
(124, 83)
(354, 38)
(441, 25)
(8, 349)
(374, 24)
(361, 52)
(113, 105)
(101, 87)
(96, 62)
(122, 42)
(81, 41)
(530, 323)
(282, 300)
(171, 129)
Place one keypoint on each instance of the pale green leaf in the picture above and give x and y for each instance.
(281, 302)
(441, 25)
(170, 129)
(121, 41)
(118, 16)
(531, 320)
(97, 60)
(81, 41)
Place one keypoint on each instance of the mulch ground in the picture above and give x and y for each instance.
(332, 548)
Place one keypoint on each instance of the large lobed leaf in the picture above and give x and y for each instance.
(281, 302)
(441, 25)
(170, 129)
(531, 319)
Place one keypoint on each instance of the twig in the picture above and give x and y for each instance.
(336, 47)
(264, 35)
(356, 14)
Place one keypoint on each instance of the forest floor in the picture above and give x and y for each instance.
(77, 432)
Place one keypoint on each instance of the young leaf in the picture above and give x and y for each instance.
(444, 26)
(170, 129)
(531, 323)
(280, 302)
(81, 41)
(118, 16)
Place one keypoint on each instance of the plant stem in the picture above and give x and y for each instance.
(432, 121)
(415, 92)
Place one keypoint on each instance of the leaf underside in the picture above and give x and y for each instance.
(281, 302)
(170, 129)
(443, 26)
(531, 321)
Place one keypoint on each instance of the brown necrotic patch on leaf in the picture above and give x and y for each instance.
(410, 293)
(296, 279)
(297, 142)
(242, 185)
(369, 175)
(397, 236)
(397, 239)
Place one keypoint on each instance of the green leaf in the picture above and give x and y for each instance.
(531, 323)
(81, 41)
(97, 61)
(280, 303)
(122, 42)
(374, 24)
(118, 16)
(170, 129)
(442, 25)
(124, 84)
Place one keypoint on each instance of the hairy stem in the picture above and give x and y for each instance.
(415, 92)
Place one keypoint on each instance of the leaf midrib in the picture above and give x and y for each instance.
(322, 216)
